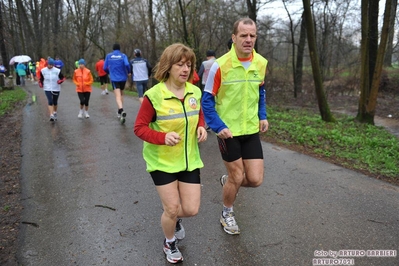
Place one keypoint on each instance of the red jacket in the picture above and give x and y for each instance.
(83, 79)
(100, 68)
(195, 78)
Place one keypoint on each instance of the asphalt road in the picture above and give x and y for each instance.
(89, 201)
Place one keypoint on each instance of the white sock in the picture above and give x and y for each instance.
(226, 210)
(170, 240)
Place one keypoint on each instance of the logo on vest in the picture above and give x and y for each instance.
(192, 102)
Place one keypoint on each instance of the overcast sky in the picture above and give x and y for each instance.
(276, 8)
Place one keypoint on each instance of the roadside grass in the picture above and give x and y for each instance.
(126, 91)
(9, 98)
(349, 143)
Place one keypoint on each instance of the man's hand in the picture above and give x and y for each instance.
(263, 125)
(225, 134)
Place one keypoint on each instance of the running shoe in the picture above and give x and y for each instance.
(180, 233)
(223, 179)
(123, 117)
(106, 91)
(55, 116)
(80, 115)
(87, 114)
(172, 252)
(103, 93)
(52, 118)
(118, 115)
(229, 224)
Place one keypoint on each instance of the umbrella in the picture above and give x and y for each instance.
(20, 59)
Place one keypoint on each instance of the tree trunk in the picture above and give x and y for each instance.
(21, 35)
(372, 103)
(299, 58)
(56, 27)
(153, 41)
(292, 33)
(183, 16)
(389, 51)
(367, 113)
(373, 34)
(3, 48)
(321, 97)
(252, 12)
(364, 66)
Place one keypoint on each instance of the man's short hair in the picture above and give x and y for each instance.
(137, 52)
(210, 53)
(245, 21)
(116, 46)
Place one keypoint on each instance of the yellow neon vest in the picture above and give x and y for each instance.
(237, 100)
(173, 115)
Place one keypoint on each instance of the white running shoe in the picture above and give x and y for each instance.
(106, 91)
(180, 233)
(87, 114)
(80, 115)
(172, 252)
(103, 93)
(223, 179)
(229, 224)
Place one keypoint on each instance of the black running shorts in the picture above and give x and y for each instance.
(118, 85)
(104, 79)
(162, 178)
(245, 147)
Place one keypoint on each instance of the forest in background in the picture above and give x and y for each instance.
(73, 29)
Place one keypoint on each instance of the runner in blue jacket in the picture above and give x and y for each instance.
(117, 65)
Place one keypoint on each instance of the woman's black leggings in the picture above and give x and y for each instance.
(84, 98)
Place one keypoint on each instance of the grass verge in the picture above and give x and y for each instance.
(127, 91)
(366, 148)
(9, 98)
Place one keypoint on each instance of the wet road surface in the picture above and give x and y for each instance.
(89, 201)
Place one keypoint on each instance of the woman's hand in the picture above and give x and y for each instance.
(172, 138)
(201, 134)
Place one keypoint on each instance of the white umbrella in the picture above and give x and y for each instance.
(20, 59)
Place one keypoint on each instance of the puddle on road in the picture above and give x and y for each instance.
(392, 125)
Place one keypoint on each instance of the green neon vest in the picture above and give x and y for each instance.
(174, 115)
(237, 100)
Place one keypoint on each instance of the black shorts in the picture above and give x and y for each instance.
(162, 178)
(118, 85)
(245, 147)
(104, 79)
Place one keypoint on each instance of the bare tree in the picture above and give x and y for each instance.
(370, 64)
(389, 51)
(4, 54)
(317, 77)
(299, 59)
(153, 55)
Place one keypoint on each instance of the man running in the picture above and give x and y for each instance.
(117, 65)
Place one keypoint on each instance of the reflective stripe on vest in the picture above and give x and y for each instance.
(237, 100)
(181, 117)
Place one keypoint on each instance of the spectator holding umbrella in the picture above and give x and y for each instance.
(21, 70)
